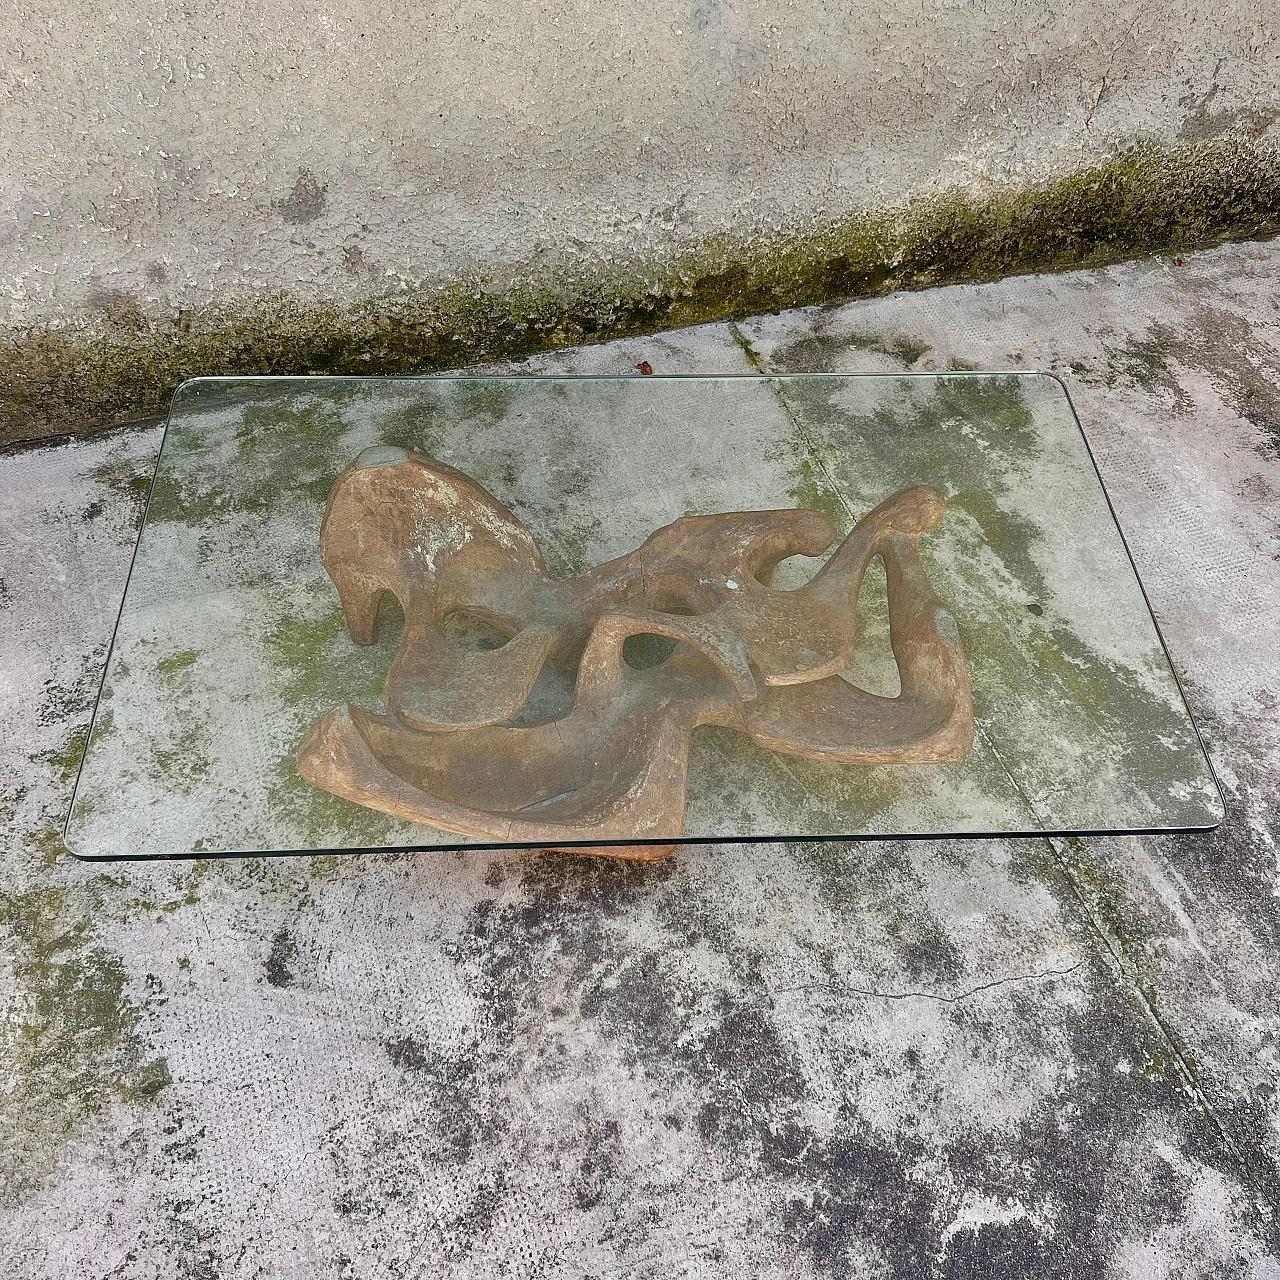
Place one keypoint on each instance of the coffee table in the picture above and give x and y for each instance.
(232, 643)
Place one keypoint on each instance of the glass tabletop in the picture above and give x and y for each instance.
(559, 653)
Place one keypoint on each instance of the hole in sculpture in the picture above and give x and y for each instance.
(643, 651)
(550, 698)
(389, 623)
(792, 573)
(471, 632)
(373, 661)
(874, 667)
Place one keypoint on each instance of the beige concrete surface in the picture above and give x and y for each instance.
(957, 1059)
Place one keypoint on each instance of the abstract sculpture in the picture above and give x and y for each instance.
(547, 734)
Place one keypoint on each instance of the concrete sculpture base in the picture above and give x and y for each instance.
(514, 710)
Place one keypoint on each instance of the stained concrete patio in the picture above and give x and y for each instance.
(997, 1059)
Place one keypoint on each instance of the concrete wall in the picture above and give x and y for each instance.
(160, 159)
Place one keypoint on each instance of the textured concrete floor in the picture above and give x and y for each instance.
(996, 1059)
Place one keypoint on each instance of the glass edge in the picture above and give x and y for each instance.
(106, 664)
(681, 841)
(184, 387)
(1151, 613)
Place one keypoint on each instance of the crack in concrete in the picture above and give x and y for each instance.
(810, 444)
(1126, 972)
(1129, 977)
(1111, 59)
(981, 733)
(935, 995)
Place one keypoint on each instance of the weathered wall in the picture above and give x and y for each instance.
(361, 185)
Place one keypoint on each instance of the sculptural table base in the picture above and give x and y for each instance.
(463, 745)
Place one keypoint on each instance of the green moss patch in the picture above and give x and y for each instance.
(73, 1040)
(66, 759)
(1150, 198)
(177, 662)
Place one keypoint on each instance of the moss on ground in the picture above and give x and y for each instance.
(1150, 198)
(178, 661)
(73, 1041)
(66, 759)
(315, 668)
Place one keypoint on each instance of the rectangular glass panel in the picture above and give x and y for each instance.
(232, 642)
